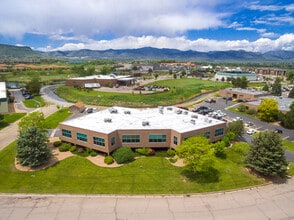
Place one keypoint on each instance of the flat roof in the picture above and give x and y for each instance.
(3, 93)
(283, 103)
(112, 76)
(247, 91)
(133, 119)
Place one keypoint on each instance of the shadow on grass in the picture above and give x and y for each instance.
(3, 124)
(211, 175)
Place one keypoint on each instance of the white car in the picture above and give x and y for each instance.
(238, 119)
(250, 131)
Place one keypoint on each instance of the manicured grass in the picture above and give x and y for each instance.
(291, 169)
(36, 102)
(146, 175)
(53, 120)
(180, 90)
(289, 145)
(10, 118)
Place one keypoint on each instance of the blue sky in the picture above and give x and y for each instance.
(198, 25)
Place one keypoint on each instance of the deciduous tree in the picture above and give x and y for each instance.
(236, 127)
(198, 153)
(268, 110)
(267, 155)
(34, 119)
(290, 76)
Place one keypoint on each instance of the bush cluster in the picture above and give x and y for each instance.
(64, 147)
(123, 155)
(171, 153)
(145, 151)
(108, 160)
(57, 143)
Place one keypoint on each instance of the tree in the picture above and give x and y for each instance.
(277, 87)
(34, 119)
(123, 155)
(34, 86)
(197, 153)
(268, 110)
(175, 75)
(244, 82)
(290, 76)
(236, 127)
(291, 93)
(267, 155)
(31, 148)
(155, 75)
(265, 88)
(287, 120)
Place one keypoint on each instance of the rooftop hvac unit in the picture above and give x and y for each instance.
(193, 121)
(127, 112)
(145, 123)
(209, 121)
(109, 120)
(179, 111)
(194, 116)
(185, 113)
(113, 110)
(169, 108)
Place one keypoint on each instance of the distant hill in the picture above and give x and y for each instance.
(23, 54)
(161, 54)
(10, 53)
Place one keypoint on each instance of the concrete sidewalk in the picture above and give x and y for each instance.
(9, 134)
(275, 201)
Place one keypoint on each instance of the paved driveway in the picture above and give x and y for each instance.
(261, 203)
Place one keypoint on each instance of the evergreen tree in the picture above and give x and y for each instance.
(31, 148)
(277, 87)
(267, 155)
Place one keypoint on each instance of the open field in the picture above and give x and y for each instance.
(146, 175)
(180, 91)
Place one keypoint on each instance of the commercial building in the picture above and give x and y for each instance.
(244, 95)
(3, 98)
(283, 103)
(235, 73)
(101, 80)
(162, 127)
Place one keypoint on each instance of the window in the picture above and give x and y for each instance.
(207, 134)
(175, 140)
(112, 141)
(99, 141)
(131, 138)
(82, 137)
(157, 138)
(219, 131)
(66, 133)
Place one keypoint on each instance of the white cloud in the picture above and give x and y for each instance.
(284, 42)
(95, 17)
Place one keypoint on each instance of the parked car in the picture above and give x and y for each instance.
(279, 131)
(248, 124)
(250, 131)
(210, 100)
(238, 119)
(202, 108)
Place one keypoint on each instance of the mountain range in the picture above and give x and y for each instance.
(8, 52)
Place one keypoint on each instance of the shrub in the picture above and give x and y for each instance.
(81, 150)
(64, 147)
(142, 151)
(230, 135)
(171, 152)
(219, 149)
(251, 111)
(57, 143)
(93, 153)
(108, 160)
(151, 151)
(72, 148)
(123, 155)
(173, 160)
(241, 108)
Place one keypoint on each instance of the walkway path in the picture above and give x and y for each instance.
(262, 203)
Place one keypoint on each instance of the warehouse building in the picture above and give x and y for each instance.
(244, 95)
(162, 127)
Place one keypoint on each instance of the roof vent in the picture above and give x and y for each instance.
(185, 113)
(113, 110)
(145, 123)
(169, 108)
(127, 112)
(193, 121)
(109, 120)
(194, 116)
(179, 111)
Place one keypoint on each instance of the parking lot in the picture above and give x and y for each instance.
(222, 105)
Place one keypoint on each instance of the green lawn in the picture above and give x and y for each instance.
(10, 118)
(36, 102)
(180, 90)
(146, 175)
(52, 121)
(289, 145)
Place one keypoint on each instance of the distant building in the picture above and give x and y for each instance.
(235, 73)
(102, 80)
(3, 98)
(283, 103)
(162, 127)
(244, 95)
